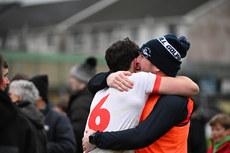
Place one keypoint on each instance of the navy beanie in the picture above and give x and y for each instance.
(41, 83)
(166, 53)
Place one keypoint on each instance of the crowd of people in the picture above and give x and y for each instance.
(139, 105)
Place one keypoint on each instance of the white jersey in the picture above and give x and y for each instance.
(112, 110)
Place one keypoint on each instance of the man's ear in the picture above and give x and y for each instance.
(156, 69)
(40, 103)
(134, 63)
(19, 98)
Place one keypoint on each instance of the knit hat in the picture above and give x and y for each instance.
(41, 83)
(166, 53)
(84, 72)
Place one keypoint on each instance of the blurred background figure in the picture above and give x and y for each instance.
(25, 96)
(58, 127)
(20, 76)
(5, 81)
(61, 106)
(220, 124)
(197, 138)
(80, 99)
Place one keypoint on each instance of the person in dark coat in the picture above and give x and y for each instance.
(196, 138)
(24, 95)
(58, 127)
(81, 98)
(16, 134)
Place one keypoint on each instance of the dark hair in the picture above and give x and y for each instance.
(63, 104)
(120, 54)
(222, 119)
(20, 76)
(5, 65)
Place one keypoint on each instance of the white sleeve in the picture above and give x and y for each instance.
(147, 82)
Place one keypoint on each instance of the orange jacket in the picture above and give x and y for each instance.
(175, 140)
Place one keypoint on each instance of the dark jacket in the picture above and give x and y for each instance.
(37, 119)
(196, 138)
(59, 131)
(16, 131)
(78, 111)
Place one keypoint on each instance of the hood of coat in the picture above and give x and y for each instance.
(32, 113)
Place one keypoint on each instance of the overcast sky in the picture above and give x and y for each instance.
(30, 2)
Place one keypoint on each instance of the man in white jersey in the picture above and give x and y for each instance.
(112, 110)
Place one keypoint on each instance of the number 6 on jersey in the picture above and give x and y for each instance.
(100, 114)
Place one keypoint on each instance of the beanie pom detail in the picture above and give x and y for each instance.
(91, 61)
(184, 41)
(85, 71)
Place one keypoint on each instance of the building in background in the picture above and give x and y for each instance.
(90, 26)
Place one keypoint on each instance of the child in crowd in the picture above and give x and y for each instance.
(220, 125)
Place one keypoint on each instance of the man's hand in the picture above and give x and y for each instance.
(87, 147)
(120, 81)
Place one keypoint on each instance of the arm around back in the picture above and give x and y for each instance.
(98, 82)
(168, 111)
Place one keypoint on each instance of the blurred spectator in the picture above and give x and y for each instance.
(197, 139)
(16, 134)
(81, 98)
(220, 125)
(25, 95)
(58, 127)
(20, 76)
(5, 81)
(61, 106)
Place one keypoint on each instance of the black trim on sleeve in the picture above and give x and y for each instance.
(98, 82)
